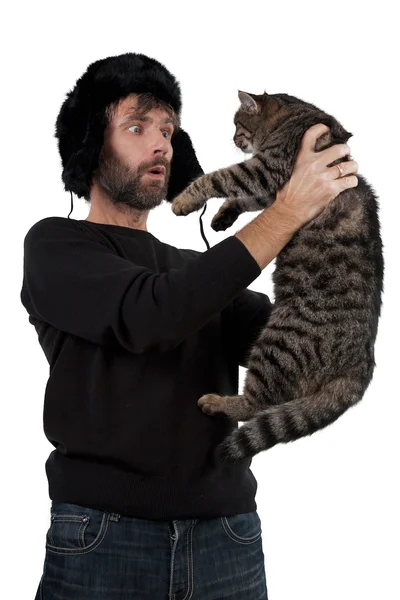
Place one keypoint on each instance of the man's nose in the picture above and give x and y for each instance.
(160, 144)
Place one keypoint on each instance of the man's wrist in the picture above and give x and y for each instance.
(283, 218)
(268, 233)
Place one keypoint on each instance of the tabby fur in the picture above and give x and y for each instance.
(314, 359)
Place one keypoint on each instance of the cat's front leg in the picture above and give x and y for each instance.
(248, 178)
(195, 195)
(233, 207)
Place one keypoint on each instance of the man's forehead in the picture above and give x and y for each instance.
(128, 107)
(126, 103)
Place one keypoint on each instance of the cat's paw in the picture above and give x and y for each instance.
(211, 403)
(185, 204)
(224, 218)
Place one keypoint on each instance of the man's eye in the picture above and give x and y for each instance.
(138, 127)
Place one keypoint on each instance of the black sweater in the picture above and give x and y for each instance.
(135, 331)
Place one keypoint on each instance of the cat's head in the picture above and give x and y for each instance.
(266, 117)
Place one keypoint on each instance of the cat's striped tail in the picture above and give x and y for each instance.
(292, 420)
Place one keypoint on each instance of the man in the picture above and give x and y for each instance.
(135, 331)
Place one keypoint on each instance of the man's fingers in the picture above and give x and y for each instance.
(343, 183)
(350, 181)
(311, 136)
(349, 167)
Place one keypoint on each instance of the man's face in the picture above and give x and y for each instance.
(131, 147)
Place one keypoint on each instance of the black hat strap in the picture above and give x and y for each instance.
(201, 222)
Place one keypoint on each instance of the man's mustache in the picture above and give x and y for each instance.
(156, 163)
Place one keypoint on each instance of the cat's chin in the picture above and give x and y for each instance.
(248, 149)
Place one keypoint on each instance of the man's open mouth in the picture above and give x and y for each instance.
(156, 171)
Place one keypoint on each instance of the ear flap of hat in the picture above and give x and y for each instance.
(185, 167)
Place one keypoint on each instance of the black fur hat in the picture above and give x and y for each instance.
(81, 121)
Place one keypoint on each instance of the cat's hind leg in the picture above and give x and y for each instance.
(293, 420)
(236, 407)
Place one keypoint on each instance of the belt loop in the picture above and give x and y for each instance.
(115, 517)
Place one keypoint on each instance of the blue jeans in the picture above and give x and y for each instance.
(98, 555)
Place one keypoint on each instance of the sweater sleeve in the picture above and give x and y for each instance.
(80, 286)
(249, 313)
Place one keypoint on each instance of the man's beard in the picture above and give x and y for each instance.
(125, 186)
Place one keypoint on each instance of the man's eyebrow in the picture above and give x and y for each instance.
(132, 116)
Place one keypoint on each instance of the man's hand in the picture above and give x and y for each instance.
(312, 184)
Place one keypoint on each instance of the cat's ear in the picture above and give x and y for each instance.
(249, 104)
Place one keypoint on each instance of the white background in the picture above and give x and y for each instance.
(329, 503)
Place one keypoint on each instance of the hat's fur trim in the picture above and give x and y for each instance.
(81, 121)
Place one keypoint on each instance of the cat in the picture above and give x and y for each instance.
(315, 357)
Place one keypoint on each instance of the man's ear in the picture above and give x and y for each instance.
(185, 167)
